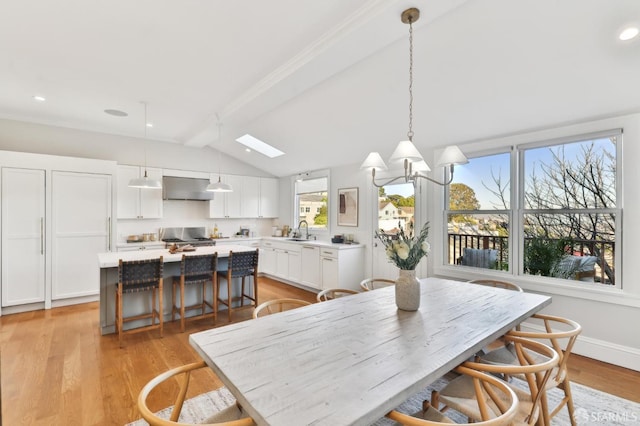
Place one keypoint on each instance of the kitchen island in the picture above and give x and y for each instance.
(138, 303)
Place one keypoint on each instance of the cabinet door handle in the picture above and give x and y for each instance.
(42, 235)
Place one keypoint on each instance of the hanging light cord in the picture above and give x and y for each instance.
(410, 132)
(219, 142)
(145, 139)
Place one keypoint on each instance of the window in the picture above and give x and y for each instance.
(395, 208)
(568, 219)
(312, 202)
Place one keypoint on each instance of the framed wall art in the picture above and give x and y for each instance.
(348, 207)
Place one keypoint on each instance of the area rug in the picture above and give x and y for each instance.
(592, 407)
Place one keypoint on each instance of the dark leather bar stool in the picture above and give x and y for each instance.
(199, 270)
(137, 276)
(240, 265)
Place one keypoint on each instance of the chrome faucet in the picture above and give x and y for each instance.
(306, 228)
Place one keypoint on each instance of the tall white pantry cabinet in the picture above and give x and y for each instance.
(56, 215)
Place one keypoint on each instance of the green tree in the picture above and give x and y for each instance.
(321, 217)
(400, 201)
(462, 197)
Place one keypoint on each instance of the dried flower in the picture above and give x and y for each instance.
(406, 251)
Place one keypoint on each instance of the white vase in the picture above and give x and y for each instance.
(407, 291)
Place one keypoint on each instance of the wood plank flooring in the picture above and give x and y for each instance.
(56, 369)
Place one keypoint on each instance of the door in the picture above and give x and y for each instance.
(81, 228)
(23, 242)
(394, 209)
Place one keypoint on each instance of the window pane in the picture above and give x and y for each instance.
(396, 204)
(311, 199)
(479, 240)
(578, 175)
(481, 184)
(570, 246)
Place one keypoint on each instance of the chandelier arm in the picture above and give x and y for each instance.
(435, 181)
(389, 182)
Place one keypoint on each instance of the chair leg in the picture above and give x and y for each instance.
(242, 294)
(214, 291)
(160, 309)
(182, 306)
(119, 314)
(566, 387)
(173, 302)
(255, 287)
(229, 297)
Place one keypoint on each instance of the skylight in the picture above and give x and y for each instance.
(257, 145)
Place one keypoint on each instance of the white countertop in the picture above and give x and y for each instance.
(110, 259)
(318, 243)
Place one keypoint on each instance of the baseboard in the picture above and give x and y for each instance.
(74, 301)
(612, 353)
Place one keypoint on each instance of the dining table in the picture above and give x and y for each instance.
(351, 360)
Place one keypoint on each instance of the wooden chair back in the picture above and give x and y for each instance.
(499, 284)
(278, 305)
(374, 283)
(333, 293)
(497, 403)
(233, 412)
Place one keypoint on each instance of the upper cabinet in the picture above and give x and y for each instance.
(134, 203)
(252, 197)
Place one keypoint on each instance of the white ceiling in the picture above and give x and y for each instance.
(324, 81)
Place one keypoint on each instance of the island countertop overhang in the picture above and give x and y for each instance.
(111, 259)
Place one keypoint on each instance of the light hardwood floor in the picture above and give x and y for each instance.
(56, 369)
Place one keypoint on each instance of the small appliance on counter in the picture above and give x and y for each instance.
(337, 239)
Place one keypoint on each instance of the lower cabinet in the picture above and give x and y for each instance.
(310, 264)
(313, 265)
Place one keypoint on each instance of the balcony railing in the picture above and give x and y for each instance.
(604, 250)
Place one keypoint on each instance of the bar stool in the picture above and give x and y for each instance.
(137, 276)
(198, 269)
(240, 265)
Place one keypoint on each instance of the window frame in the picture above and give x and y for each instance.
(517, 212)
(297, 214)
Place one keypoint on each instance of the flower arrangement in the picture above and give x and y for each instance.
(405, 251)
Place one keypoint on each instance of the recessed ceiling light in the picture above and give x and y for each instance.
(247, 150)
(628, 33)
(257, 145)
(116, 112)
(39, 98)
(149, 124)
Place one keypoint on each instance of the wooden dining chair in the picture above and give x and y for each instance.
(496, 402)
(195, 270)
(233, 415)
(499, 284)
(242, 264)
(278, 305)
(561, 333)
(334, 293)
(138, 276)
(459, 394)
(374, 283)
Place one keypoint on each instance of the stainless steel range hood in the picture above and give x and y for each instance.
(181, 188)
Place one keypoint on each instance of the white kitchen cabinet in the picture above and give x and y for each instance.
(81, 228)
(267, 260)
(282, 263)
(250, 196)
(227, 204)
(134, 203)
(295, 266)
(342, 268)
(23, 236)
(310, 266)
(268, 198)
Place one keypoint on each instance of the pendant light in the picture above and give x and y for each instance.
(145, 182)
(219, 186)
(406, 152)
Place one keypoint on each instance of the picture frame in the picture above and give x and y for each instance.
(348, 207)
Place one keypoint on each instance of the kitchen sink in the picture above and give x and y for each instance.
(296, 239)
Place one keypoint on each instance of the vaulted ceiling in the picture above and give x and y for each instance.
(324, 81)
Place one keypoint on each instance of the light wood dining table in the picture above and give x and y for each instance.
(351, 360)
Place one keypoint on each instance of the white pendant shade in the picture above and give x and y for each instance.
(420, 166)
(452, 156)
(374, 161)
(145, 182)
(405, 150)
(219, 186)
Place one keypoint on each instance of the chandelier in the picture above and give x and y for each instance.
(406, 152)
